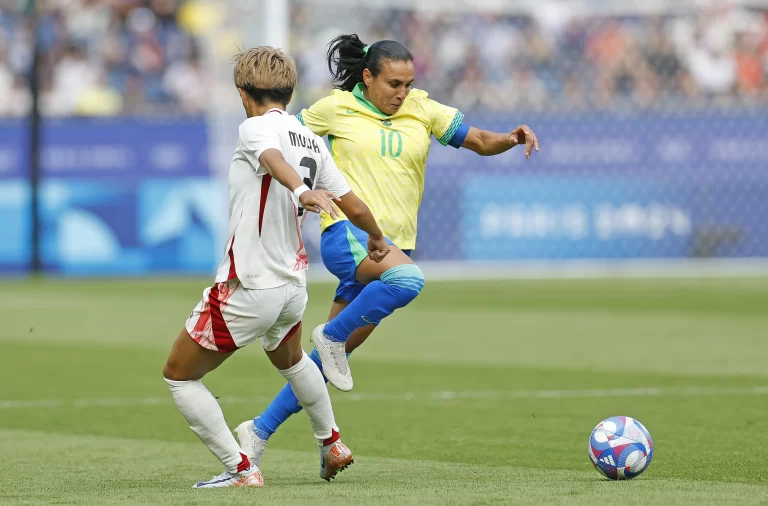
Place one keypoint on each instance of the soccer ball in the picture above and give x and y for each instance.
(620, 448)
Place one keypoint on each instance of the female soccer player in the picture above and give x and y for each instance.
(379, 128)
(260, 287)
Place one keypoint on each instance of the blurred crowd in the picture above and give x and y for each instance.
(101, 57)
(547, 61)
(109, 57)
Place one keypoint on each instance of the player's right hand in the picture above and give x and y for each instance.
(524, 135)
(377, 249)
(319, 200)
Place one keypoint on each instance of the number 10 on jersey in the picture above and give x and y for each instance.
(391, 144)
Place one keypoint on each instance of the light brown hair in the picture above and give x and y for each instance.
(265, 73)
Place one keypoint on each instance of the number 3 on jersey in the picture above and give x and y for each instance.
(391, 144)
(310, 164)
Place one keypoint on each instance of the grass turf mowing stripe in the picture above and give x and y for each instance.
(406, 396)
(109, 470)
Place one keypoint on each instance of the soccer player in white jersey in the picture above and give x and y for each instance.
(279, 170)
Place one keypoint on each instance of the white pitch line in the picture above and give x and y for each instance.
(407, 396)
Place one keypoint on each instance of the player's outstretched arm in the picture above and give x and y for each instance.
(311, 200)
(361, 216)
(488, 143)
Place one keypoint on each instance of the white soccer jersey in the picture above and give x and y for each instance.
(264, 248)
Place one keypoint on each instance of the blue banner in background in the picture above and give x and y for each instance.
(551, 217)
(165, 226)
(682, 147)
(118, 196)
(603, 187)
(13, 149)
(567, 218)
(16, 229)
(124, 148)
(131, 196)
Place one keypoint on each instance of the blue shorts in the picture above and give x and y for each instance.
(343, 246)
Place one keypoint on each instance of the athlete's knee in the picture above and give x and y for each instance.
(407, 279)
(175, 370)
(172, 372)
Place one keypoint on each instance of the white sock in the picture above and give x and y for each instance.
(308, 384)
(205, 418)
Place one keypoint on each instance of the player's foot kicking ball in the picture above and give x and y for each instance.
(334, 358)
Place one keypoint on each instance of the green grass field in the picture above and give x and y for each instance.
(478, 393)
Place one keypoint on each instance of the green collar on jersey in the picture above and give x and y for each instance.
(358, 93)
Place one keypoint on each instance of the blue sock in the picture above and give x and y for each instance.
(397, 287)
(315, 357)
(282, 407)
(279, 410)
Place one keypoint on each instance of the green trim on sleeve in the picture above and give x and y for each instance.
(455, 124)
(301, 119)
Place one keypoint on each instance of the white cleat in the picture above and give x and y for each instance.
(334, 358)
(252, 445)
(251, 477)
(334, 458)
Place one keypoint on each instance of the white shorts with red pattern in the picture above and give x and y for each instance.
(230, 316)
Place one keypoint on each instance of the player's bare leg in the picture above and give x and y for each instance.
(390, 284)
(369, 271)
(308, 385)
(187, 363)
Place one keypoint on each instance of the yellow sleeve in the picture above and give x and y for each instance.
(319, 116)
(444, 120)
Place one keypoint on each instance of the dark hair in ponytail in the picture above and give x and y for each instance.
(347, 59)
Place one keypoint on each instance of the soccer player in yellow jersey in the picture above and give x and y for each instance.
(379, 128)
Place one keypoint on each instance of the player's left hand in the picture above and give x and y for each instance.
(319, 200)
(524, 135)
(377, 249)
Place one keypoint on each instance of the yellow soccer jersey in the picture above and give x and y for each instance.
(384, 158)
